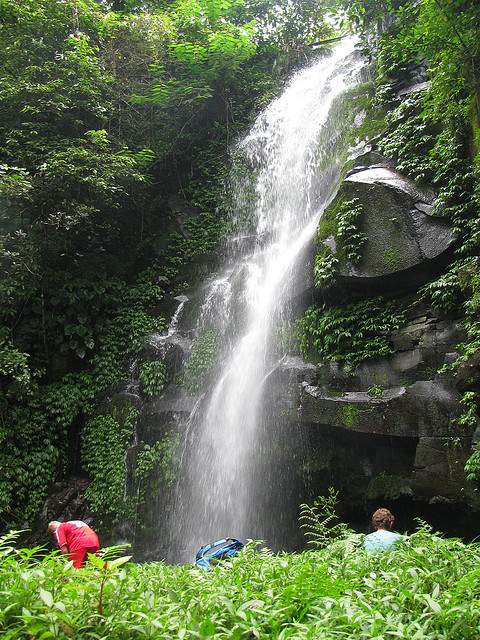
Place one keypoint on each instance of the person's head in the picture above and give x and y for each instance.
(53, 526)
(383, 519)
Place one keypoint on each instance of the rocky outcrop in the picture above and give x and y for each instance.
(402, 236)
(424, 409)
(66, 501)
(385, 432)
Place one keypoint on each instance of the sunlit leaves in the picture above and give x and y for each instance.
(426, 589)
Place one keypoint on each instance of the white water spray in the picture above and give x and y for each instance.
(297, 150)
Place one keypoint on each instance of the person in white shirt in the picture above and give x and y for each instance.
(383, 538)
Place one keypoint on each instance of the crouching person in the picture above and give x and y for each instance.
(75, 540)
(383, 538)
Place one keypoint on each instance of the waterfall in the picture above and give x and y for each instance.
(230, 481)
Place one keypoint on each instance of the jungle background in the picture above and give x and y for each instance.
(116, 125)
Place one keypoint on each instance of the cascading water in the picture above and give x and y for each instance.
(229, 483)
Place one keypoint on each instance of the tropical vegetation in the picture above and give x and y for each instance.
(116, 123)
(425, 589)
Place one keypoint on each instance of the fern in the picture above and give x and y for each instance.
(320, 522)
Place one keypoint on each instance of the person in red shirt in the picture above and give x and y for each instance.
(75, 539)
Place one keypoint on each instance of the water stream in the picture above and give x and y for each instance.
(230, 481)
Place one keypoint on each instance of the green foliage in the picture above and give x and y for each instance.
(350, 334)
(325, 267)
(117, 489)
(105, 116)
(375, 391)
(152, 377)
(320, 522)
(349, 238)
(409, 138)
(450, 289)
(201, 361)
(15, 183)
(157, 461)
(472, 466)
(468, 419)
(290, 25)
(426, 588)
(465, 276)
(341, 220)
(104, 442)
(42, 413)
(14, 365)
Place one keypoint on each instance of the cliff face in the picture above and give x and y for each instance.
(369, 403)
(381, 406)
(381, 422)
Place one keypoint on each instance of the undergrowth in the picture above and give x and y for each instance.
(426, 589)
(342, 222)
(201, 361)
(351, 334)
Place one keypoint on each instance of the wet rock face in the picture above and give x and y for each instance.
(384, 433)
(66, 501)
(401, 233)
(425, 408)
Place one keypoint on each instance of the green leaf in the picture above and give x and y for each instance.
(46, 597)
(118, 562)
(96, 561)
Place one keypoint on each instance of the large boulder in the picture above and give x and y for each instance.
(404, 245)
(66, 501)
(424, 409)
(401, 233)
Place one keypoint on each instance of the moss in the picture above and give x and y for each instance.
(391, 260)
(328, 224)
(389, 487)
(373, 125)
(380, 378)
(349, 415)
(336, 393)
(362, 98)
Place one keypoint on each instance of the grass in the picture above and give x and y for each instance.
(428, 588)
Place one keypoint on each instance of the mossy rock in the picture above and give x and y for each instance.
(401, 234)
(349, 415)
(388, 487)
(423, 409)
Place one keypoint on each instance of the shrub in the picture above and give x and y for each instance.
(152, 377)
(202, 359)
(350, 334)
(427, 588)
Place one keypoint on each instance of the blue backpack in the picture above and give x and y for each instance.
(219, 550)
